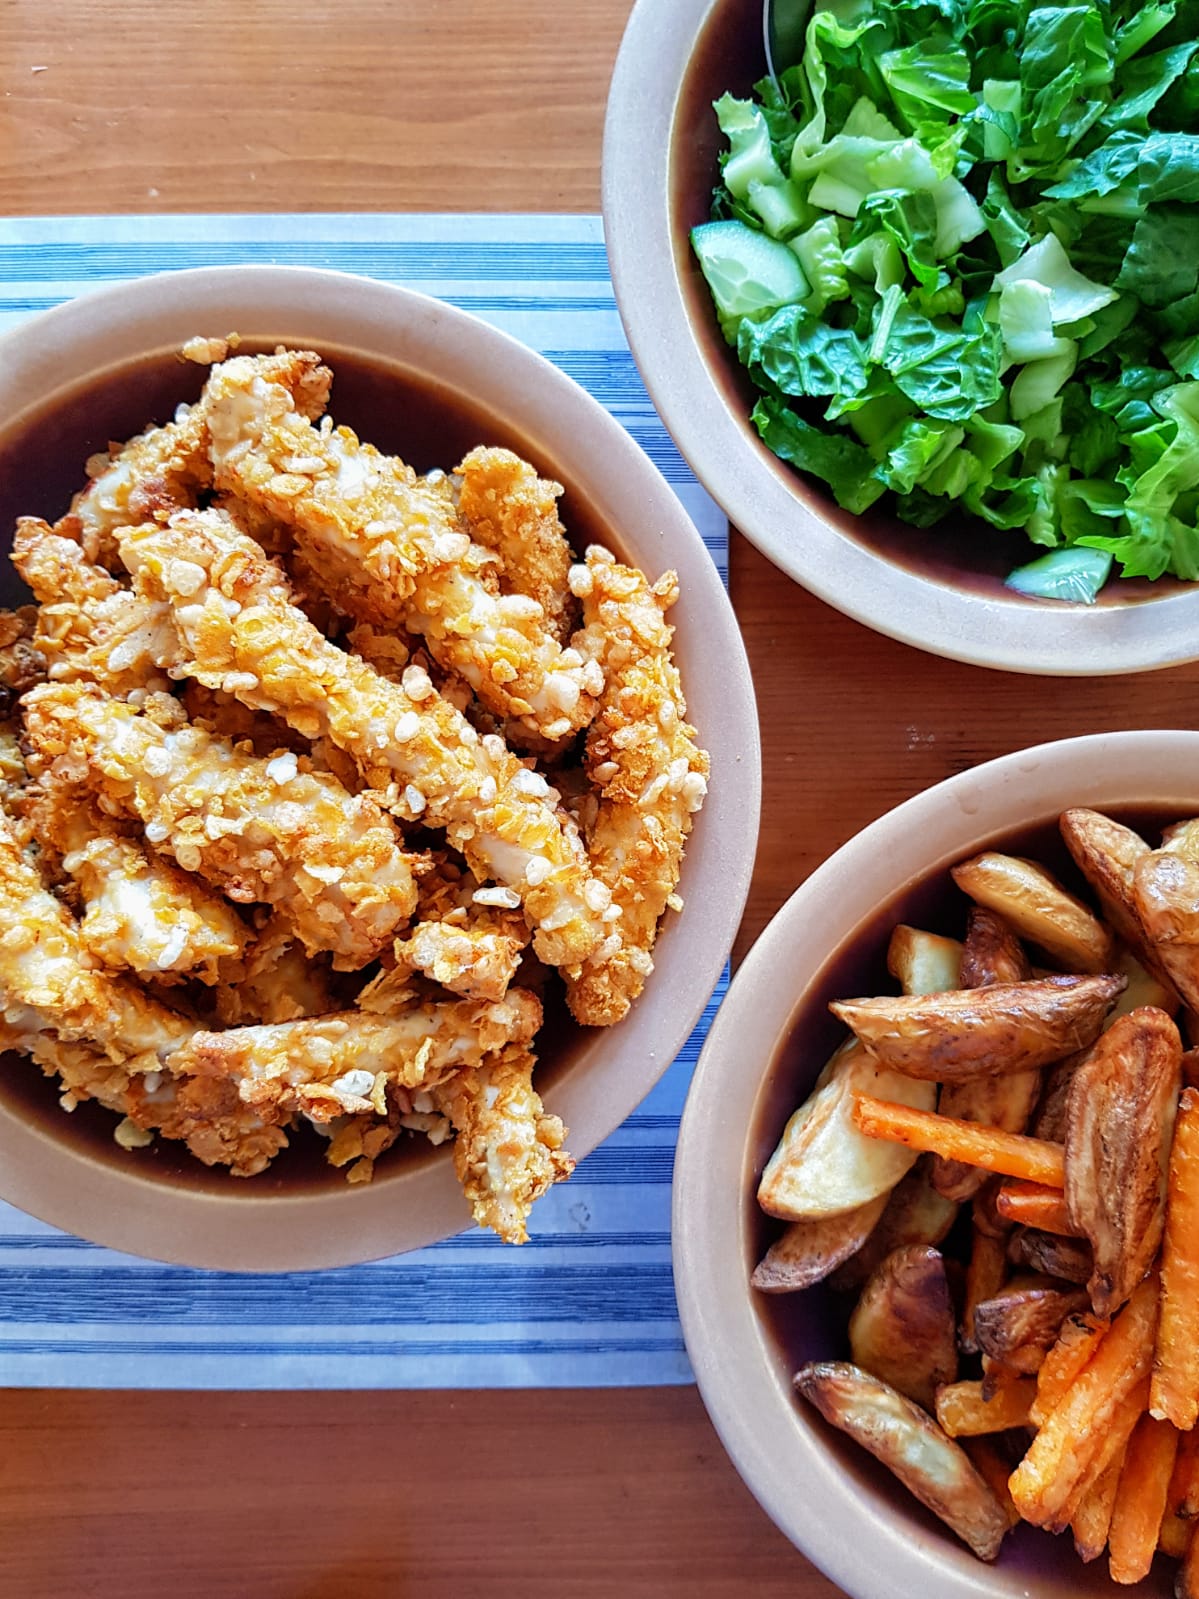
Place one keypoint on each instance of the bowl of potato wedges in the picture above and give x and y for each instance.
(936, 1202)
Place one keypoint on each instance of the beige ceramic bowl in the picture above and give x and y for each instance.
(769, 1041)
(931, 588)
(427, 381)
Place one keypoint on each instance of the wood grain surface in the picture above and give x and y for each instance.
(414, 105)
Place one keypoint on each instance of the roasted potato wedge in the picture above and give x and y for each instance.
(897, 1432)
(1182, 838)
(923, 963)
(824, 1165)
(969, 1410)
(1144, 988)
(1166, 893)
(809, 1250)
(1068, 1258)
(1039, 909)
(973, 1032)
(990, 955)
(1106, 853)
(1119, 1127)
(1049, 1118)
(903, 1328)
(1024, 1315)
(915, 1214)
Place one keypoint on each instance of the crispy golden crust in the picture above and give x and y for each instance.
(89, 628)
(277, 982)
(392, 548)
(141, 913)
(226, 716)
(508, 1151)
(510, 510)
(47, 985)
(331, 1066)
(330, 862)
(651, 776)
(406, 739)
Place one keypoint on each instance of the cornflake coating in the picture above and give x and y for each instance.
(337, 1065)
(238, 629)
(651, 777)
(510, 510)
(140, 912)
(48, 987)
(508, 1151)
(461, 940)
(330, 862)
(391, 548)
(277, 982)
(168, 467)
(22, 664)
(89, 628)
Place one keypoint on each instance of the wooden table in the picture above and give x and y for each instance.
(413, 105)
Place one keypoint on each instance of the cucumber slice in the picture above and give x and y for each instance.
(1077, 574)
(746, 271)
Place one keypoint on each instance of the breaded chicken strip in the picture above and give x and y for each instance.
(332, 1066)
(462, 939)
(509, 509)
(225, 716)
(642, 757)
(140, 912)
(330, 862)
(278, 982)
(508, 1151)
(391, 550)
(22, 664)
(47, 985)
(168, 467)
(238, 629)
(89, 627)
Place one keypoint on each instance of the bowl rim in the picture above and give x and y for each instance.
(49, 355)
(763, 499)
(772, 1442)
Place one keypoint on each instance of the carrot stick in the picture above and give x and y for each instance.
(1175, 1390)
(1032, 1205)
(1011, 1154)
(1072, 1447)
(1077, 1342)
(963, 1412)
(1186, 1583)
(1141, 1499)
(1093, 1518)
(1182, 1501)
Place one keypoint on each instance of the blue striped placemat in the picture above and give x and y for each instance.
(589, 1301)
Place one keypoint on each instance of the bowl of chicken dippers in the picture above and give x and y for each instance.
(936, 1204)
(380, 771)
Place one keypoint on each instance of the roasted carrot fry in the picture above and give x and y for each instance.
(1182, 1501)
(1010, 1154)
(1070, 1449)
(1093, 1518)
(994, 1468)
(1141, 1499)
(1033, 1205)
(1175, 1390)
(1076, 1343)
(1186, 1584)
(964, 1413)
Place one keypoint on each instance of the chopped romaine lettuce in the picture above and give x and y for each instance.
(956, 247)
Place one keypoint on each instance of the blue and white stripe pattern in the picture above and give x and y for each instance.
(589, 1301)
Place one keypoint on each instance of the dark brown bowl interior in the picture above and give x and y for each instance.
(813, 1325)
(961, 552)
(41, 467)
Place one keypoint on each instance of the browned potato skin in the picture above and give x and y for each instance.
(923, 963)
(1166, 894)
(1119, 1126)
(1039, 909)
(915, 1214)
(1049, 1119)
(1106, 853)
(1024, 1316)
(973, 1032)
(903, 1329)
(991, 954)
(809, 1250)
(1069, 1259)
(898, 1433)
